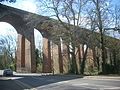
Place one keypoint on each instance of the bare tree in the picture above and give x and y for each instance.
(9, 48)
(69, 11)
(117, 18)
(91, 14)
(101, 10)
(8, 1)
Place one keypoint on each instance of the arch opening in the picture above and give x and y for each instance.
(38, 38)
(8, 46)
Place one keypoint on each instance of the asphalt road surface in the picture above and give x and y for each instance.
(57, 82)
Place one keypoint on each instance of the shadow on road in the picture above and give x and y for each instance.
(28, 82)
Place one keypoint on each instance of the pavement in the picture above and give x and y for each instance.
(103, 77)
(59, 82)
(35, 81)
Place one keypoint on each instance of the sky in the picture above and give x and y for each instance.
(31, 6)
(27, 5)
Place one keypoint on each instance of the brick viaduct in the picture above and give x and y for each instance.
(24, 22)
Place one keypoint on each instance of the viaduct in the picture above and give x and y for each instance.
(25, 22)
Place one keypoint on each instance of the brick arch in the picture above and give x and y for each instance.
(12, 19)
(24, 23)
(16, 21)
(46, 67)
(25, 43)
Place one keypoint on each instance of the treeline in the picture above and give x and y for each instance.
(74, 16)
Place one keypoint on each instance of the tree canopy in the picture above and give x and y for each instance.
(8, 1)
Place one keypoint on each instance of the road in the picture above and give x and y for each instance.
(58, 82)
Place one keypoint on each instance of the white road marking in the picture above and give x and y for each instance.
(90, 86)
(9, 78)
(80, 84)
(103, 78)
(113, 88)
(53, 84)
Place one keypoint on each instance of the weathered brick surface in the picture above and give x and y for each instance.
(47, 68)
(24, 23)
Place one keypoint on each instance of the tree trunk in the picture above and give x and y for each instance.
(94, 57)
(69, 65)
(79, 54)
(74, 68)
(60, 59)
(103, 55)
(83, 61)
(100, 26)
(115, 64)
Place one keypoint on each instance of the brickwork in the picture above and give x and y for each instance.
(55, 58)
(46, 56)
